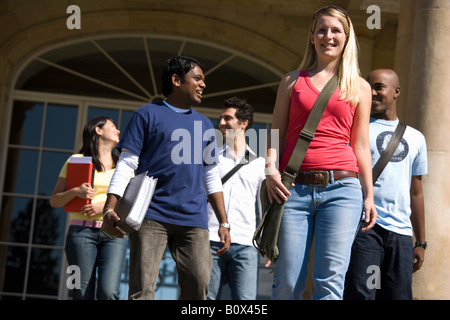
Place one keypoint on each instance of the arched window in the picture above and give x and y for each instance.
(54, 94)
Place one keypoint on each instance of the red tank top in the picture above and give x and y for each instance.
(329, 149)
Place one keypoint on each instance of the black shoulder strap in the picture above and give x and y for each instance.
(388, 152)
(237, 167)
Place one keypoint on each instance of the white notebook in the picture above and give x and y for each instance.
(133, 205)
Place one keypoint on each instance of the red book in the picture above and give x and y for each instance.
(77, 174)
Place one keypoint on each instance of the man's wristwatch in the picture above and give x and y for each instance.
(225, 225)
(420, 244)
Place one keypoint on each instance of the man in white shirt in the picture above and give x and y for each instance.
(239, 266)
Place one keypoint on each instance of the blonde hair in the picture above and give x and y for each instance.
(348, 71)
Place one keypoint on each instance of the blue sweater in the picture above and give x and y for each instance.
(174, 147)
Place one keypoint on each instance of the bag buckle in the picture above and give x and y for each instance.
(325, 177)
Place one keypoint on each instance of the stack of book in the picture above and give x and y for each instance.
(133, 205)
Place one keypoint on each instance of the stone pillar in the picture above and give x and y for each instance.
(403, 52)
(427, 108)
(366, 59)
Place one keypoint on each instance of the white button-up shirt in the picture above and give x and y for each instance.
(241, 196)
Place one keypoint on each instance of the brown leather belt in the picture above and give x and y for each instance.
(322, 178)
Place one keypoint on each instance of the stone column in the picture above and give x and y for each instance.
(366, 59)
(427, 108)
(403, 52)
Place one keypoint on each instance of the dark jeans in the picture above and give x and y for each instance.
(381, 264)
(189, 248)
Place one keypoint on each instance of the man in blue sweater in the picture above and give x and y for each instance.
(177, 145)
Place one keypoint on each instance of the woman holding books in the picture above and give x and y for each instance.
(87, 247)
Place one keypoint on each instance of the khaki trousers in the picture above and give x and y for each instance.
(190, 250)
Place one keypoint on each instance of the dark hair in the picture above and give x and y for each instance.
(244, 111)
(177, 65)
(90, 141)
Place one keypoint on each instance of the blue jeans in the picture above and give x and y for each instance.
(239, 267)
(93, 252)
(381, 266)
(329, 214)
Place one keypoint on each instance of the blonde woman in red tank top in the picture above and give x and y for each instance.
(330, 213)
